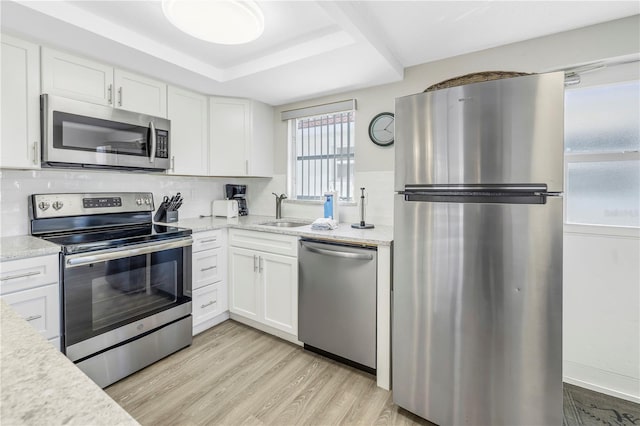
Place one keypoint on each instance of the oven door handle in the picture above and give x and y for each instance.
(75, 260)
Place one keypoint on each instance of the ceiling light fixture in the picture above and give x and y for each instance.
(216, 21)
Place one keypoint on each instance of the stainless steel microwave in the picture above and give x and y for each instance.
(81, 134)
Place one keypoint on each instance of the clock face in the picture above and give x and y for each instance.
(381, 129)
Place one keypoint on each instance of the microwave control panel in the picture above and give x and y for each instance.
(162, 144)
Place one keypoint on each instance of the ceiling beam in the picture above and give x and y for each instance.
(323, 41)
(355, 19)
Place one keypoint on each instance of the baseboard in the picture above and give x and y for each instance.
(205, 325)
(274, 331)
(606, 382)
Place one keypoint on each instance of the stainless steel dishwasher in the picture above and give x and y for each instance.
(337, 301)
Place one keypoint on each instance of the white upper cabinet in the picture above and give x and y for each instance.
(189, 132)
(241, 137)
(76, 78)
(86, 80)
(140, 94)
(261, 140)
(20, 87)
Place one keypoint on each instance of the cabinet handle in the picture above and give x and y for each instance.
(255, 263)
(207, 304)
(173, 163)
(246, 166)
(207, 269)
(260, 263)
(35, 153)
(33, 317)
(110, 94)
(120, 96)
(15, 277)
(210, 240)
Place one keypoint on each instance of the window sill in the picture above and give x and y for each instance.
(603, 230)
(317, 202)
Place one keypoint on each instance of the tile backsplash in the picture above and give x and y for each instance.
(17, 185)
(198, 192)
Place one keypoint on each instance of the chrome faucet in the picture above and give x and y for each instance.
(279, 199)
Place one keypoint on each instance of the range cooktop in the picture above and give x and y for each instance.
(78, 242)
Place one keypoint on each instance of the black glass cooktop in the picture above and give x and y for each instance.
(106, 238)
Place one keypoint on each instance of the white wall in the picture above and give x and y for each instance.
(601, 318)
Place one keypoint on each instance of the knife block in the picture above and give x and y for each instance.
(166, 216)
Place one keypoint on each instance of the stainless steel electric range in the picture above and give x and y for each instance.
(125, 282)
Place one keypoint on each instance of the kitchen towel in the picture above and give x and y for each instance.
(324, 224)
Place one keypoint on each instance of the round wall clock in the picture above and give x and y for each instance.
(381, 129)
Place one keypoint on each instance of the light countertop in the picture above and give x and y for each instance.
(23, 246)
(40, 386)
(380, 235)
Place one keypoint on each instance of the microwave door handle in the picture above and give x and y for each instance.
(152, 130)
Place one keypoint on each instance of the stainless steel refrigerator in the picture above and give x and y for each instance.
(477, 275)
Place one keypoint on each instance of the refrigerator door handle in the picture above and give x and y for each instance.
(531, 198)
(471, 189)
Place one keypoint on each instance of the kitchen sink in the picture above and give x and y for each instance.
(284, 224)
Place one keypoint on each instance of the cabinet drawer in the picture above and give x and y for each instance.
(208, 267)
(40, 307)
(208, 302)
(22, 274)
(265, 241)
(207, 240)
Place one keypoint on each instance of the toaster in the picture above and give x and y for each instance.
(224, 208)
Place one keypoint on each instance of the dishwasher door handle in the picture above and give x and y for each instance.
(344, 254)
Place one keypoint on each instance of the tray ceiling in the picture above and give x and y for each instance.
(308, 48)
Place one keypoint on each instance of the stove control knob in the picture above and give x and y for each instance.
(57, 205)
(147, 201)
(139, 201)
(43, 205)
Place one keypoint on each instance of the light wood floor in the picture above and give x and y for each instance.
(235, 375)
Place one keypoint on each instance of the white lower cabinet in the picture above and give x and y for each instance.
(209, 302)
(30, 286)
(264, 285)
(209, 284)
(39, 307)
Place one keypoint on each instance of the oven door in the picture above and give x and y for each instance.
(83, 134)
(111, 296)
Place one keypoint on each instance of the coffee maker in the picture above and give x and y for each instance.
(238, 193)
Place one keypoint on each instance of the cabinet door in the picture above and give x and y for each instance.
(229, 124)
(189, 132)
(261, 140)
(140, 94)
(76, 78)
(20, 130)
(40, 307)
(244, 286)
(279, 280)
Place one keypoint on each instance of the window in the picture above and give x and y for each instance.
(322, 151)
(602, 160)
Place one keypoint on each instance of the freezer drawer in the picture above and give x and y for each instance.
(477, 312)
(337, 300)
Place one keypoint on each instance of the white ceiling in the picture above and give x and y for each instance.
(308, 49)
